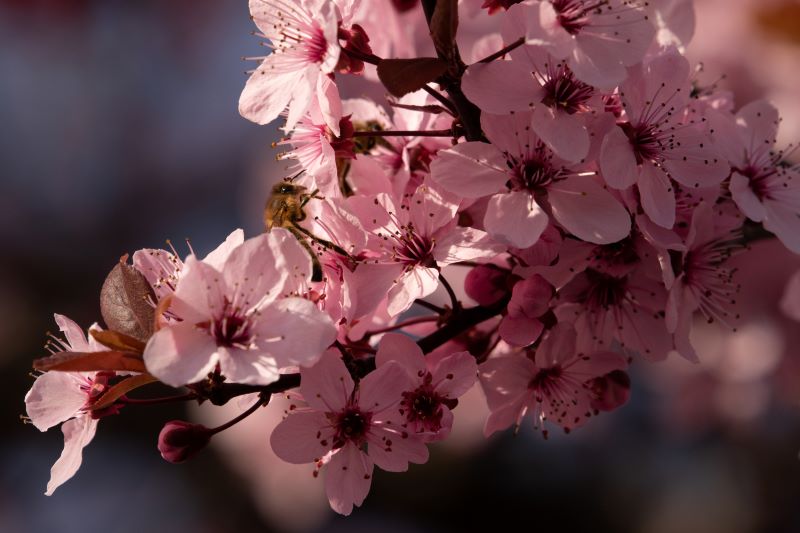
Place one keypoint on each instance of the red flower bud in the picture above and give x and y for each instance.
(486, 285)
(179, 440)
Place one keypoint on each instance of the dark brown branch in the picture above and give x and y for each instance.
(503, 51)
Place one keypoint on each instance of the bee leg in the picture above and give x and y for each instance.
(322, 242)
(316, 266)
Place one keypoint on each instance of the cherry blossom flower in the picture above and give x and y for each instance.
(764, 188)
(530, 299)
(67, 397)
(303, 37)
(349, 428)
(411, 237)
(554, 385)
(598, 38)
(237, 317)
(532, 181)
(435, 387)
(659, 142)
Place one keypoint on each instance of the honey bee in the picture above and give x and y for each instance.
(284, 209)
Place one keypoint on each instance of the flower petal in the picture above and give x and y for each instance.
(302, 437)
(78, 433)
(180, 354)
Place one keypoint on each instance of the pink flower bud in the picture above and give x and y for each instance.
(486, 284)
(179, 440)
(611, 391)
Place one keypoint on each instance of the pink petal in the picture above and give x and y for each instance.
(267, 94)
(348, 478)
(520, 331)
(506, 415)
(594, 65)
(464, 244)
(247, 366)
(515, 218)
(294, 331)
(76, 338)
(302, 437)
(745, 198)
(455, 374)
(191, 300)
(54, 398)
(500, 87)
(617, 160)
(470, 169)
(327, 385)
(784, 222)
(382, 389)
(758, 125)
(596, 364)
(180, 354)
(219, 255)
(694, 163)
(588, 211)
(530, 297)
(557, 347)
(510, 134)
(418, 282)
(401, 349)
(657, 195)
(369, 284)
(505, 379)
(392, 451)
(257, 270)
(78, 433)
(566, 134)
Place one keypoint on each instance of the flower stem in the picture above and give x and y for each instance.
(405, 133)
(253, 408)
(503, 51)
(400, 325)
(155, 401)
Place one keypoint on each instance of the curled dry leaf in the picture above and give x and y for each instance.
(120, 389)
(125, 302)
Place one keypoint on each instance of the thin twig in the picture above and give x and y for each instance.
(503, 51)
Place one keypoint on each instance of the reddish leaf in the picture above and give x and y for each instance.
(117, 341)
(91, 362)
(443, 26)
(122, 388)
(125, 302)
(402, 76)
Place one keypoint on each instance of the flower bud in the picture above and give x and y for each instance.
(179, 440)
(486, 284)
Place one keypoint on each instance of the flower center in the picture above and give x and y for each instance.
(646, 141)
(545, 378)
(351, 425)
(604, 291)
(534, 173)
(317, 46)
(232, 329)
(573, 14)
(563, 91)
(414, 249)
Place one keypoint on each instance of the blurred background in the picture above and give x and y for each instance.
(119, 129)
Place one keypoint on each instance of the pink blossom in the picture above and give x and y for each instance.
(347, 429)
(765, 189)
(303, 37)
(57, 397)
(530, 299)
(239, 316)
(435, 386)
(597, 38)
(554, 384)
(661, 140)
(411, 237)
(531, 181)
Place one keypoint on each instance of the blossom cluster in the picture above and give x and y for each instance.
(565, 154)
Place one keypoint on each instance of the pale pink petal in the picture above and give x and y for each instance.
(588, 211)
(304, 93)
(500, 87)
(694, 163)
(302, 437)
(520, 331)
(369, 284)
(596, 364)
(327, 385)
(470, 169)
(348, 478)
(76, 337)
(558, 346)
(328, 102)
(617, 160)
(247, 366)
(418, 282)
(566, 134)
(392, 451)
(54, 398)
(180, 354)
(515, 218)
(294, 331)
(505, 379)
(464, 244)
(745, 198)
(657, 195)
(758, 124)
(530, 297)
(506, 415)
(191, 300)
(455, 374)
(218, 256)
(256, 270)
(784, 222)
(78, 433)
(594, 65)
(266, 94)
(383, 388)
(510, 134)
(400, 348)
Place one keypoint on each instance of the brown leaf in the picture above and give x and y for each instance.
(443, 26)
(124, 302)
(91, 362)
(117, 341)
(402, 76)
(122, 388)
